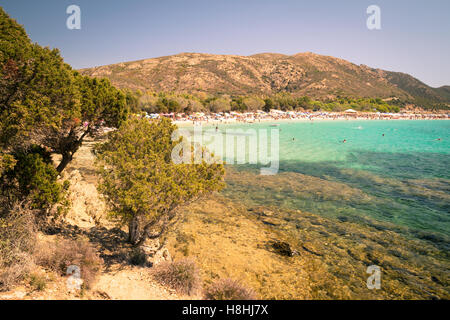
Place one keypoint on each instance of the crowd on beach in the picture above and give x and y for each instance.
(276, 115)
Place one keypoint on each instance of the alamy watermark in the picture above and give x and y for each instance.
(232, 146)
(374, 281)
(74, 280)
(374, 20)
(73, 22)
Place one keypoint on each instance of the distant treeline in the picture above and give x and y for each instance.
(166, 102)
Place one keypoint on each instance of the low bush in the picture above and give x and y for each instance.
(34, 177)
(17, 242)
(38, 281)
(14, 273)
(58, 256)
(138, 257)
(182, 275)
(229, 289)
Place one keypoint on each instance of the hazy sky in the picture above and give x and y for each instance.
(414, 36)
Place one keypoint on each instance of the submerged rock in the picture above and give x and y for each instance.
(271, 222)
(283, 248)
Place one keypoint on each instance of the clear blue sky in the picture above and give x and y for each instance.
(415, 35)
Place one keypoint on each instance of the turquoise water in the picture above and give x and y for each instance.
(401, 178)
(375, 199)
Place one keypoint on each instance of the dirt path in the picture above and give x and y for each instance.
(134, 284)
(119, 280)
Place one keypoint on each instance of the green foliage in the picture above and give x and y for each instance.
(43, 102)
(237, 104)
(179, 102)
(132, 100)
(41, 96)
(34, 177)
(268, 104)
(168, 102)
(219, 105)
(142, 183)
(7, 161)
(38, 282)
(102, 101)
(37, 89)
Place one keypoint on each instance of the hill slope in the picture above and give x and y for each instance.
(301, 74)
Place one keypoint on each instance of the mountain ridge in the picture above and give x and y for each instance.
(304, 73)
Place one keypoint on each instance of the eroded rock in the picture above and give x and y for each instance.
(155, 254)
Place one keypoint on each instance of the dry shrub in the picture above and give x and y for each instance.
(38, 281)
(182, 275)
(229, 289)
(14, 273)
(59, 255)
(138, 257)
(17, 239)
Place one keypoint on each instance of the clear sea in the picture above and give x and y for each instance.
(406, 172)
(391, 176)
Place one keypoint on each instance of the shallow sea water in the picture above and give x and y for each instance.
(391, 175)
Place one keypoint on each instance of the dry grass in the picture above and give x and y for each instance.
(229, 289)
(182, 275)
(17, 240)
(38, 281)
(59, 255)
(14, 273)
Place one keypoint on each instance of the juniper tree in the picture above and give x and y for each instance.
(37, 89)
(43, 101)
(101, 104)
(45, 106)
(141, 183)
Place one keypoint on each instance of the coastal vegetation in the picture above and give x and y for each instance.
(45, 108)
(167, 102)
(141, 182)
(71, 194)
(47, 111)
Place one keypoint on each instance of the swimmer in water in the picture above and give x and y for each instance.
(439, 139)
(383, 134)
(344, 141)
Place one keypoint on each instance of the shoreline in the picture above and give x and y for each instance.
(190, 123)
